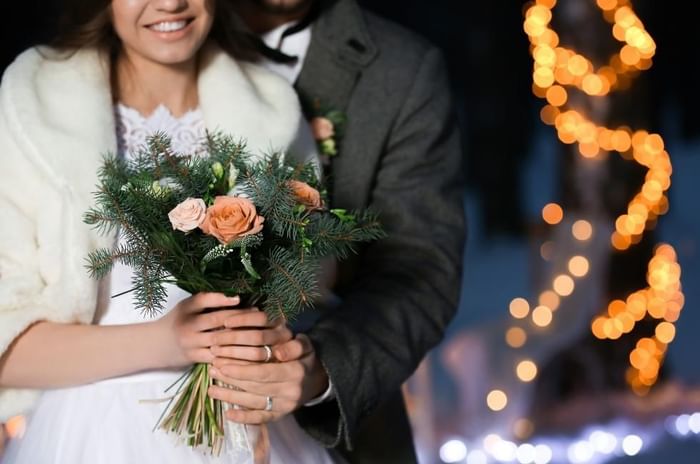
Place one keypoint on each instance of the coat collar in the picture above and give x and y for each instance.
(61, 110)
(341, 47)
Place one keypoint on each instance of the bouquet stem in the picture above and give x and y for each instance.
(193, 415)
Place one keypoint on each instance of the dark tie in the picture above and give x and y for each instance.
(274, 54)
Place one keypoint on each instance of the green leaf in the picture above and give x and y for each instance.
(248, 265)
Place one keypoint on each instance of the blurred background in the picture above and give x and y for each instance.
(576, 337)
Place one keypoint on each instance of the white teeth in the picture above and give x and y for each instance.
(168, 26)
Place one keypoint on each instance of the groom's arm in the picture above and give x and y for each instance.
(406, 289)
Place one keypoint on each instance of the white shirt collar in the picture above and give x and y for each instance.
(296, 44)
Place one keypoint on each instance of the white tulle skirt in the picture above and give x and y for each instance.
(109, 423)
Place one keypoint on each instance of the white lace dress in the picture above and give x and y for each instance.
(107, 422)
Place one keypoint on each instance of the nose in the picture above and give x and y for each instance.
(170, 6)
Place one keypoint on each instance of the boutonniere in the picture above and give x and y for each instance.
(327, 127)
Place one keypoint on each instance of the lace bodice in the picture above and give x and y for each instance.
(187, 134)
(133, 129)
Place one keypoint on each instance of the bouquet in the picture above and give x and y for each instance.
(228, 222)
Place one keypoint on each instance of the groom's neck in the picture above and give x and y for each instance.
(261, 18)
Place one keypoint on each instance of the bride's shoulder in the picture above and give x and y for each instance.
(42, 65)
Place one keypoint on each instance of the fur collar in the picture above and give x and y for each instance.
(61, 111)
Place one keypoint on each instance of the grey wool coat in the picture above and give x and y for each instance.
(400, 155)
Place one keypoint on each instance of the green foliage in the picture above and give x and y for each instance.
(278, 266)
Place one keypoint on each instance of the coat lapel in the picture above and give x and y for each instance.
(340, 48)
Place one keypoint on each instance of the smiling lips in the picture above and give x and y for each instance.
(169, 26)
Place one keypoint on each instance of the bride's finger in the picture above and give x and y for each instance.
(249, 318)
(207, 300)
(243, 353)
(213, 320)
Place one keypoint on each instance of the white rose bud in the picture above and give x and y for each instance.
(188, 215)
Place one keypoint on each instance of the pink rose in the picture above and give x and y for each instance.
(188, 215)
(230, 218)
(322, 128)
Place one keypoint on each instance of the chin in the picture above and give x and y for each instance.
(173, 57)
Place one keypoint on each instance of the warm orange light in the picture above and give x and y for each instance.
(640, 358)
(592, 84)
(620, 241)
(637, 305)
(616, 307)
(16, 426)
(526, 370)
(564, 285)
(523, 428)
(556, 67)
(549, 299)
(627, 322)
(516, 337)
(548, 114)
(630, 55)
(519, 308)
(542, 316)
(556, 95)
(578, 65)
(497, 400)
(543, 77)
(598, 328)
(607, 4)
(656, 307)
(582, 230)
(665, 332)
(552, 213)
(621, 141)
(578, 266)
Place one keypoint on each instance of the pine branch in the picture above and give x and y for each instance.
(333, 237)
(101, 261)
(290, 285)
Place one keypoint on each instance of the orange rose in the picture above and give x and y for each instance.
(305, 194)
(230, 218)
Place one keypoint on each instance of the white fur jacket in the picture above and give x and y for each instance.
(56, 122)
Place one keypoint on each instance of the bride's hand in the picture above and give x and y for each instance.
(294, 378)
(187, 332)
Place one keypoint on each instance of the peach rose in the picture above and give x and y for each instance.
(188, 215)
(322, 128)
(230, 218)
(305, 194)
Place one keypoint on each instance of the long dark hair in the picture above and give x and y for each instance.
(87, 23)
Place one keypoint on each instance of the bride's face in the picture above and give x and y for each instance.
(163, 31)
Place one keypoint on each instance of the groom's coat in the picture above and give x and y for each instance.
(400, 155)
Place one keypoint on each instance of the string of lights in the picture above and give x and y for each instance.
(559, 71)
(557, 67)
